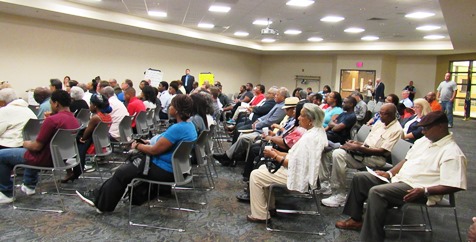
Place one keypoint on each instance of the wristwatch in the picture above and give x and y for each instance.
(427, 194)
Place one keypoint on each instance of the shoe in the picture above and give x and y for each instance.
(89, 168)
(256, 220)
(87, 197)
(334, 201)
(223, 159)
(450, 126)
(28, 191)
(349, 224)
(243, 197)
(4, 199)
(231, 121)
(325, 189)
(273, 212)
(70, 176)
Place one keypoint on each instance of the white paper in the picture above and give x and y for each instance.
(155, 76)
(375, 174)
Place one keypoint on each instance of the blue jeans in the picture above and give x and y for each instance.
(448, 109)
(8, 159)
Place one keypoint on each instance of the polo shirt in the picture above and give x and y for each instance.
(134, 107)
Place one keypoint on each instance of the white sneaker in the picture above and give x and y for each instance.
(325, 189)
(334, 201)
(28, 191)
(4, 199)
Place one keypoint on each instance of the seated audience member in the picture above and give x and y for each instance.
(373, 152)
(436, 155)
(360, 108)
(100, 110)
(199, 112)
(77, 102)
(119, 111)
(275, 115)
(240, 94)
(42, 96)
(66, 81)
(302, 95)
(115, 86)
(160, 148)
(299, 168)
(334, 100)
(258, 91)
(224, 100)
(338, 130)
(87, 95)
(282, 138)
(134, 105)
(245, 98)
(309, 91)
(316, 98)
(101, 85)
(36, 152)
(406, 99)
(142, 84)
(14, 114)
(391, 98)
(195, 88)
(434, 104)
(149, 97)
(181, 89)
(164, 99)
(325, 91)
(411, 130)
(55, 84)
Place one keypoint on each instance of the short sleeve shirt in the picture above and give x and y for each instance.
(331, 112)
(384, 137)
(446, 90)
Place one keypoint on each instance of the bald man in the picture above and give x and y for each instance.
(431, 98)
(373, 152)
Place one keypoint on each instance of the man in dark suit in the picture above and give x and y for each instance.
(379, 95)
(187, 81)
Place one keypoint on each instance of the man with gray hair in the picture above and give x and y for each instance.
(119, 111)
(275, 115)
(14, 114)
(361, 108)
(113, 84)
(406, 99)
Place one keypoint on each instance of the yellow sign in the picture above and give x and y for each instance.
(206, 76)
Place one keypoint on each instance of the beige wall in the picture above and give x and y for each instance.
(33, 51)
(419, 69)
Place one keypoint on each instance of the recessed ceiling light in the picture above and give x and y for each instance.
(332, 19)
(419, 15)
(433, 37)
(300, 3)
(268, 40)
(219, 9)
(428, 27)
(263, 22)
(241, 33)
(370, 38)
(206, 25)
(315, 39)
(157, 14)
(292, 31)
(354, 30)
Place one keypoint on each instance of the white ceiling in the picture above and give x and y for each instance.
(382, 18)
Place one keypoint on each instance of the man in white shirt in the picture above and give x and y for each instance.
(434, 166)
(406, 99)
(164, 98)
(119, 111)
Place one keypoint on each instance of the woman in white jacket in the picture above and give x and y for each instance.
(14, 114)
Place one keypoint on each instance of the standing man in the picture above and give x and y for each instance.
(379, 93)
(411, 89)
(187, 81)
(446, 94)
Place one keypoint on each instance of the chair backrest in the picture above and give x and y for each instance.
(83, 117)
(141, 123)
(181, 160)
(150, 117)
(102, 143)
(32, 129)
(125, 129)
(64, 149)
(157, 111)
(200, 146)
(400, 150)
(363, 133)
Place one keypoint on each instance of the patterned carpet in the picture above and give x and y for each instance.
(222, 219)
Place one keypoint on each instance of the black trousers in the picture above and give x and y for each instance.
(111, 191)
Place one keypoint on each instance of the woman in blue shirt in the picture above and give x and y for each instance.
(160, 148)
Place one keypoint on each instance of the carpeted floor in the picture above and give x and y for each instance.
(222, 219)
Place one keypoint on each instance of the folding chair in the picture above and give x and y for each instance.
(64, 152)
(125, 135)
(150, 121)
(181, 166)
(313, 194)
(102, 143)
(83, 116)
(449, 202)
(202, 157)
(362, 133)
(141, 124)
(32, 129)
